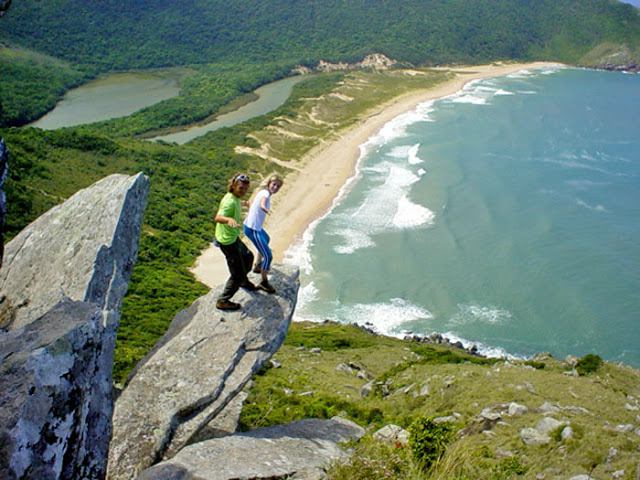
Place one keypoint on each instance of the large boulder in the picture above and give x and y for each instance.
(83, 249)
(203, 361)
(61, 288)
(300, 449)
(55, 401)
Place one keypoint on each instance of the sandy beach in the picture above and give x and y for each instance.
(307, 195)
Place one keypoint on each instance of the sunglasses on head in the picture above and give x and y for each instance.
(242, 178)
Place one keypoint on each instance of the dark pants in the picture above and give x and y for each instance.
(239, 260)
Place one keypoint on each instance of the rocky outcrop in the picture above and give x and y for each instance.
(62, 284)
(297, 450)
(4, 169)
(631, 67)
(204, 360)
(52, 421)
(374, 61)
(83, 249)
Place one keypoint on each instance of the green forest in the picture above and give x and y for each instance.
(223, 51)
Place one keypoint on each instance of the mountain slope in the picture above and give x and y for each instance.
(114, 34)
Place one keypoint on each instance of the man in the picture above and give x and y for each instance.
(228, 227)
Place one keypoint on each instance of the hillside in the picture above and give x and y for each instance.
(112, 35)
(491, 405)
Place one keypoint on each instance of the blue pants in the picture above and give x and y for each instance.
(260, 239)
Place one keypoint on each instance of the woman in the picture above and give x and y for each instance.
(239, 257)
(260, 208)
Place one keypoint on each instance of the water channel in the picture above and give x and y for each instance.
(270, 97)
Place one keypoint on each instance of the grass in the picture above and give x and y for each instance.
(348, 98)
(417, 381)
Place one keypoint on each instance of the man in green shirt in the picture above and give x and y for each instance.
(228, 227)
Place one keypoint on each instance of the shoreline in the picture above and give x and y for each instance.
(309, 194)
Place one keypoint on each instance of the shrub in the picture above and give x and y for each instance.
(428, 440)
(508, 468)
(589, 364)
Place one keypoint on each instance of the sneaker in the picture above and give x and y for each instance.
(256, 268)
(266, 286)
(227, 305)
(247, 285)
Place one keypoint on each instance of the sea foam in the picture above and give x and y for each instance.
(384, 208)
(385, 317)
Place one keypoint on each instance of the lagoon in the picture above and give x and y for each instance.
(270, 97)
(114, 96)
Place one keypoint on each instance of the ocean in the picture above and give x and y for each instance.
(506, 216)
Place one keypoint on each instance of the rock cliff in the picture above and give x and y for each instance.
(204, 360)
(61, 288)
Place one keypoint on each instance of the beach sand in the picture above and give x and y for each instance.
(307, 195)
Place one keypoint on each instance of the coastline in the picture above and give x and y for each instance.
(308, 195)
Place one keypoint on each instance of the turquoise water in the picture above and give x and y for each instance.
(506, 216)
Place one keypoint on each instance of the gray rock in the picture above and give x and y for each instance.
(55, 400)
(62, 281)
(203, 361)
(274, 452)
(83, 249)
(548, 408)
(392, 435)
(516, 409)
(532, 436)
(344, 368)
(567, 433)
(366, 390)
(225, 423)
(548, 424)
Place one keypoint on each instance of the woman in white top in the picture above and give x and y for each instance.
(260, 208)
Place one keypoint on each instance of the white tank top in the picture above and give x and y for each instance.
(255, 217)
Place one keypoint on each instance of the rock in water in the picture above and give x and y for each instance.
(83, 249)
(204, 360)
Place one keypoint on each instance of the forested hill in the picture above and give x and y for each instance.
(121, 34)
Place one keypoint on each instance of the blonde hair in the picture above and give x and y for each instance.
(274, 177)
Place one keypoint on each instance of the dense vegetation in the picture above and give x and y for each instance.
(264, 39)
(111, 35)
(31, 84)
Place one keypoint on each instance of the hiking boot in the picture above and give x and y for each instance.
(266, 286)
(247, 285)
(256, 268)
(227, 305)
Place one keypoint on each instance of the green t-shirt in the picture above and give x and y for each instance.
(229, 207)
